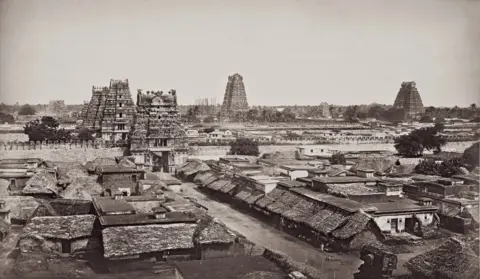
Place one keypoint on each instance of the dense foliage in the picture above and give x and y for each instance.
(338, 159)
(244, 146)
(447, 168)
(46, 129)
(417, 141)
(471, 156)
(84, 134)
(6, 118)
(26, 110)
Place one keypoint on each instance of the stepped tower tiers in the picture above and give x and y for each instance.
(110, 111)
(409, 100)
(325, 110)
(235, 98)
(158, 138)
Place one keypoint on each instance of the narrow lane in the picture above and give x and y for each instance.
(268, 237)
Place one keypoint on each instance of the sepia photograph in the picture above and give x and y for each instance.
(219, 139)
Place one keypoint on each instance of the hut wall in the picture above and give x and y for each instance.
(29, 244)
(455, 223)
(79, 244)
(221, 250)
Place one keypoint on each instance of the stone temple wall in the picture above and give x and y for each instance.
(235, 98)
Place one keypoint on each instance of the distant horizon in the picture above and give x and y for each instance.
(342, 52)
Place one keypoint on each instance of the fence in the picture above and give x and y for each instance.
(54, 145)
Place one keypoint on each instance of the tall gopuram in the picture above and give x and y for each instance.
(158, 139)
(325, 110)
(409, 100)
(235, 99)
(110, 111)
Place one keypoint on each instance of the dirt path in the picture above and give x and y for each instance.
(268, 237)
(6, 248)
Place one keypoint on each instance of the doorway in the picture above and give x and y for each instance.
(394, 225)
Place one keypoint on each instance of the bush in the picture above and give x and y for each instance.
(447, 168)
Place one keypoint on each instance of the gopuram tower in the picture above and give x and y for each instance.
(409, 100)
(235, 98)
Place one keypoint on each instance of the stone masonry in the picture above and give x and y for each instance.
(409, 100)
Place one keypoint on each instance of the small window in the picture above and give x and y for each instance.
(321, 150)
(125, 193)
(120, 115)
(134, 178)
(120, 104)
(426, 217)
(311, 150)
(400, 220)
(388, 220)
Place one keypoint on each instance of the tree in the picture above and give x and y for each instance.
(244, 146)
(26, 110)
(447, 168)
(46, 129)
(6, 118)
(338, 159)
(417, 141)
(85, 134)
(471, 155)
(209, 119)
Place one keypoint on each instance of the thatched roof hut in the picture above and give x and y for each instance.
(83, 188)
(137, 240)
(191, 168)
(61, 227)
(210, 231)
(21, 207)
(41, 182)
(217, 185)
(452, 260)
(376, 163)
(228, 188)
(92, 166)
(354, 224)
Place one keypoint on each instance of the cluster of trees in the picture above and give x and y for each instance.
(47, 129)
(244, 146)
(451, 166)
(6, 118)
(27, 110)
(338, 159)
(415, 143)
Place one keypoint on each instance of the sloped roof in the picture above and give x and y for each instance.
(217, 185)
(355, 224)
(452, 260)
(41, 182)
(227, 188)
(61, 227)
(210, 231)
(136, 240)
(82, 187)
(21, 207)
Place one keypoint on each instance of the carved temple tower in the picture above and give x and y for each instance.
(158, 139)
(110, 111)
(409, 100)
(235, 98)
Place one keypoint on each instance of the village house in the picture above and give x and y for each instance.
(295, 171)
(18, 171)
(59, 234)
(117, 179)
(320, 183)
(43, 184)
(405, 215)
(130, 245)
(4, 212)
(391, 189)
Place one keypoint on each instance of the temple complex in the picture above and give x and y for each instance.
(235, 98)
(409, 100)
(110, 111)
(158, 139)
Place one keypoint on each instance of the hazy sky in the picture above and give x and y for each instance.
(289, 52)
